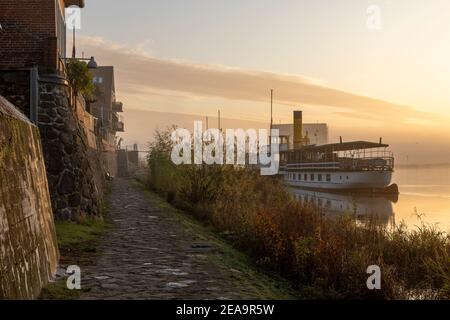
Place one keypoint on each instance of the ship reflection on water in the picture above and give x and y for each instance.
(364, 207)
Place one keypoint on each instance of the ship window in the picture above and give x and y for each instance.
(320, 177)
(328, 177)
(305, 177)
(312, 177)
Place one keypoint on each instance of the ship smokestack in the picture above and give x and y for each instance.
(298, 129)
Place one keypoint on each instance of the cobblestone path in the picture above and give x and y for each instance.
(150, 254)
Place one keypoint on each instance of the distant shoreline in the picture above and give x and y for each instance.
(425, 165)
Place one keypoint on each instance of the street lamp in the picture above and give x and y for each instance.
(92, 64)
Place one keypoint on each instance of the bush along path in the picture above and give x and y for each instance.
(153, 251)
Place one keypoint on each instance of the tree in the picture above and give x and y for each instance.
(80, 79)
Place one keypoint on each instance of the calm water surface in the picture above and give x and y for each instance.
(424, 191)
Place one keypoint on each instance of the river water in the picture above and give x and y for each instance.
(424, 192)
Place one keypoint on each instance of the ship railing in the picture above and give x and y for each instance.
(313, 166)
(366, 154)
(367, 163)
(351, 164)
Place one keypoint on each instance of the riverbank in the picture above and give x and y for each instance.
(154, 251)
(323, 258)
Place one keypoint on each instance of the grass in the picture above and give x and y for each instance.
(79, 241)
(324, 258)
(78, 245)
(57, 290)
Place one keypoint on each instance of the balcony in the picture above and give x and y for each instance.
(117, 107)
(119, 126)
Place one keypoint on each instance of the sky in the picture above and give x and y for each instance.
(366, 73)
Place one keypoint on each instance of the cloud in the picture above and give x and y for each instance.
(142, 74)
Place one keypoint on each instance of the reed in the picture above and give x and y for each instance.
(322, 257)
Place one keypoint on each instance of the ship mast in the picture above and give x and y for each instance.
(271, 109)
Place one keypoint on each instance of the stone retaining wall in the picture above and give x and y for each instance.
(28, 249)
(74, 172)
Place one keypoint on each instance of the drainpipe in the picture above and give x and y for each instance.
(34, 95)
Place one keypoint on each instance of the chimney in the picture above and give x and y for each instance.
(298, 129)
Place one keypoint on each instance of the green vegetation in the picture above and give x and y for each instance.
(58, 291)
(323, 258)
(78, 243)
(78, 239)
(80, 79)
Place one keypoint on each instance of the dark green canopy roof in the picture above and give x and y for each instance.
(344, 146)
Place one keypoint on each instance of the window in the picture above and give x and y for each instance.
(98, 80)
(328, 177)
(299, 177)
(312, 176)
(305, 177)
(347, 177)
(320, 177)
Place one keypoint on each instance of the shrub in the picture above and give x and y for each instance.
(323, 257)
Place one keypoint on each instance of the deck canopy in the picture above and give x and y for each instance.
(345, 146)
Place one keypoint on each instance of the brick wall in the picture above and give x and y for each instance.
(29, 34)
(15, 87)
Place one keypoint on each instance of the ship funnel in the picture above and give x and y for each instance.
(298, 129)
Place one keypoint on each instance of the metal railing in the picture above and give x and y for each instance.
(356, 161)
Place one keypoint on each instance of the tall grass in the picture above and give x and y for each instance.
(324, 258)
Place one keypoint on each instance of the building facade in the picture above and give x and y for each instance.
(34, 34)
(106, 108)
(33, 78)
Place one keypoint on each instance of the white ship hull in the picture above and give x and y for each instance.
(336, 204)
(338, 180)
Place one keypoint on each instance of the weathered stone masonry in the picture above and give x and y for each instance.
(72, 172)
(28, 249)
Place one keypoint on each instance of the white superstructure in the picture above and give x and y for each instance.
(339, 166)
